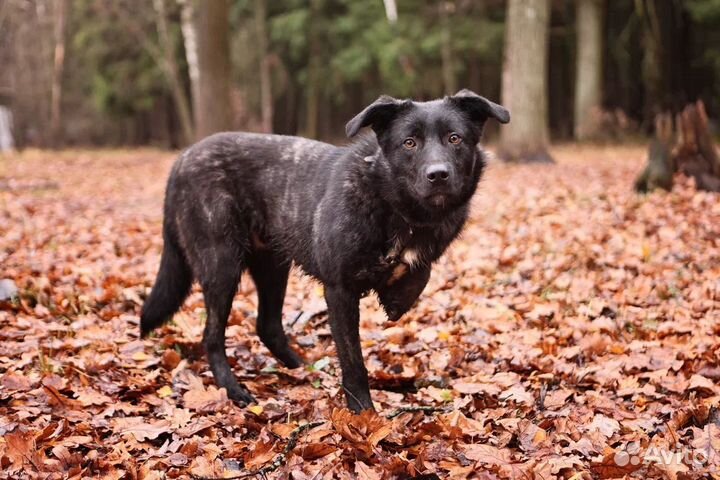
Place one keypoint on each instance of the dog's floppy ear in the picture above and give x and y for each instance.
(377, 115)
(479, 108)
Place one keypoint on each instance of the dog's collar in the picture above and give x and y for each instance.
(395, 254)
(402, 258)
(402, 238)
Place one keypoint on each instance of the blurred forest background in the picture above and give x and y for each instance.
(166, 72)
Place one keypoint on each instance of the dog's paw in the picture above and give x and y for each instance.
(241, 396)
(393, 312)
(292, 360)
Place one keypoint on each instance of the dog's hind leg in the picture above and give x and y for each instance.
(219, 286)
(216, 241)
(270, 275)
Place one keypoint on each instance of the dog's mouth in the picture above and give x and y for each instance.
(434, 201)
(438, 200)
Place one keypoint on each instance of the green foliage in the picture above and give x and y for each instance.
(124, 79)
(705, 11)
(113, 74)
(362, 47)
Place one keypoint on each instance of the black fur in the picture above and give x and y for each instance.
(371, 216)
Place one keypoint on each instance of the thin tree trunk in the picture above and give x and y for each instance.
(313, 74)
(214, 112)
(588, 75)
(652, 58)
(266, 100)
(187, 26)
(7, 143)
(172, 72)
(524, 81)
(59, 27)
(391, 11)
(666, 54)
(446, 8)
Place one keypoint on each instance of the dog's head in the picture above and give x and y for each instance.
(430, 148)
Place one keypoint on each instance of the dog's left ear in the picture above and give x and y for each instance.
(377, 115)
(479, 108)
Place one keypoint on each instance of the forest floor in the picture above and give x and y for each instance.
(572, 332)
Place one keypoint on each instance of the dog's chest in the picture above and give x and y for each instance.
(401, 258)
(404, 252)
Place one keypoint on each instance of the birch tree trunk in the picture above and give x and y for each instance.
(266, 100)
(391, 11)
(7, 142)
(214, 112)
(524, 82)
(187, 26)
(588, 78)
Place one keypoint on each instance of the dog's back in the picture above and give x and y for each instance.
(270, 183)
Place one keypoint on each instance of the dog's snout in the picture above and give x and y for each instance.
(438, 173)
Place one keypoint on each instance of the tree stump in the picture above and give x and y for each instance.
(683, 146)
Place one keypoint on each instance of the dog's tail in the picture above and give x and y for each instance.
(171, 287)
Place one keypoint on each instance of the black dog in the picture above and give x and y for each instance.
(371, 216)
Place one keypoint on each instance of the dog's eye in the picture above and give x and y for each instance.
(454, 138)
(409, 143)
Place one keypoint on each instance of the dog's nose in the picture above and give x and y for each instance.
(437, 173)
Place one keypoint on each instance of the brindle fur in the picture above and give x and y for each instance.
(369, 216)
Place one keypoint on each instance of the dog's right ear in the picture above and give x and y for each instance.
(376, 115)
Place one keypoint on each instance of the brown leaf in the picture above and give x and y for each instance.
(312, 451)
(702, 384)
(14, 381)
(196, 425)
(206, 400)
(141, 428)
(605, 425)
(365, 430)
(472, 388)
(488, 454)
(262, 452)
(88, 397)
(22, 451)
(364, 472)
(170, 359)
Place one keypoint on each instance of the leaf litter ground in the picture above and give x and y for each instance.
(571, 333)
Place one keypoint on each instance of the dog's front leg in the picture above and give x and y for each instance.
(344, 317)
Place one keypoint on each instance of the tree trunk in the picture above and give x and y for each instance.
(391, 11)
(665, 63)
(7, 143)
(695, 154)
(60, 11)
(588, 78)
(445, 9)
(187, 26)
(691, 152)
(524, 81)
(313, 72)
(214, 112)
(172, 72)
(266, 99)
